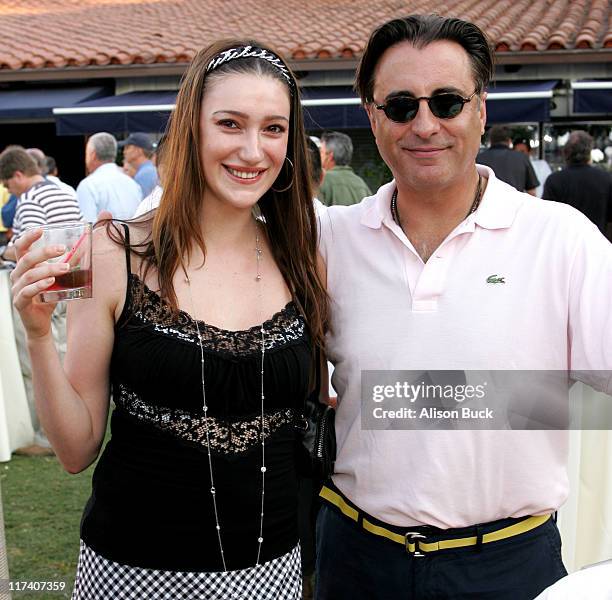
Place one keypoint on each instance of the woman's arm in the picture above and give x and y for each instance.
(72, 401)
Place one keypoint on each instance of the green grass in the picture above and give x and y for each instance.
(42, 512)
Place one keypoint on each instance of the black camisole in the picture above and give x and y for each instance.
(151, 504)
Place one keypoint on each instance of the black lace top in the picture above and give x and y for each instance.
(151, 504)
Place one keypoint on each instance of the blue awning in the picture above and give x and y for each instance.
(335, 107)
(325, 107)
(38, 103)
(592, 97)
(134, 111)
(520, 102)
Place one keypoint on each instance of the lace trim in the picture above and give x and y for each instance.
(285, 327)
(227, 438)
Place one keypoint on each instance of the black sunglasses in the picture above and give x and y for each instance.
(402, 109)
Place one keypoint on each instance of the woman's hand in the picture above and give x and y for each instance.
(31, 276)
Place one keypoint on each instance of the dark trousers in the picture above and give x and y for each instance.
(353, 564)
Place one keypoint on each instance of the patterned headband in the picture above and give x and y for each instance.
(250, 52)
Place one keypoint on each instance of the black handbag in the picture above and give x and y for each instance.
(317, 435)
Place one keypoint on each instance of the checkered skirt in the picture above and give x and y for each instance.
(98, 578)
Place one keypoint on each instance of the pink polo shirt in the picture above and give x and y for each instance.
(392, 311)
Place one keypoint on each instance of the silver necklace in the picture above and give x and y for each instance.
(475, 203)
(213, 491)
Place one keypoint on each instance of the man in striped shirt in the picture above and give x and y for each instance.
(41, 202)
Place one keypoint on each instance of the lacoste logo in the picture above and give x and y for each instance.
(495, 279)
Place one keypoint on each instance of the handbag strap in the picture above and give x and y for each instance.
(313, 396)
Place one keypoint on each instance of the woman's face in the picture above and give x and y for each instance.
(244, 128)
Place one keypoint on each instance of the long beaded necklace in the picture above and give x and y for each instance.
(213, 491)
(473, 207)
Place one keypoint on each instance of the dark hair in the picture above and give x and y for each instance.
(51, 165)
(422, 30)
(340, 145)
(498, 134)
(289, 215)
(577, 151)
(15, 158)
(314, 159)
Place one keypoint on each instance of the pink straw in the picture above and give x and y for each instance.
(74, 248)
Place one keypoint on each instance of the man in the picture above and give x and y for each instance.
(540, 167)
(581, 185)
(41, 202)
(449, 268)
(106, 188)
(509, 166)
(341, 185)
(138, 149)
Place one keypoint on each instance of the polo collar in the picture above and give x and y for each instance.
(499, 203)
(497, 209)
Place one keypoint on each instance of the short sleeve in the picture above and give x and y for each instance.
(590, 308)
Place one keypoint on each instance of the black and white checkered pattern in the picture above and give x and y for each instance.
(100, 579)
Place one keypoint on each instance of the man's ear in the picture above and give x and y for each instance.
(483, 112)
(371, 111)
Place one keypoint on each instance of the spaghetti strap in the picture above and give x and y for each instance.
(128, 258)
(127, 303)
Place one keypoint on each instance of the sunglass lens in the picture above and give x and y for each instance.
(402, 110)
(446, 106)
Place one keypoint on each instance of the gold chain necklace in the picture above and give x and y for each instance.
(213, 491)
(475, 203)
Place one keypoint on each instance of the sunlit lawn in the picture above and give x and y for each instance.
(42, 512)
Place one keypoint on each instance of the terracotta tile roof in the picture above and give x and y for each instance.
(37, 34)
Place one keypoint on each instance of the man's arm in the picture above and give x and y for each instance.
(531, 180)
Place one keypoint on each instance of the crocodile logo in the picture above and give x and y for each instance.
(495, 279)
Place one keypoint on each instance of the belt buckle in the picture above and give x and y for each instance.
(414, 537)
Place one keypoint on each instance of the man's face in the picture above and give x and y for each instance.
(132, 153)
(91, 160)
(17, 184)
(327, 158)
(427, 152)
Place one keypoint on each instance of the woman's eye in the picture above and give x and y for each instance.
(276, 129)
(228, 123)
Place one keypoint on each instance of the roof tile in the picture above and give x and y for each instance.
(102, 32)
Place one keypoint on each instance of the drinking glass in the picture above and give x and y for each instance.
(77, 282)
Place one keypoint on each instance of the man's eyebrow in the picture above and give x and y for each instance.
(237, 113)
(441, 90)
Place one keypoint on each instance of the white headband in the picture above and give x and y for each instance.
(250, 52)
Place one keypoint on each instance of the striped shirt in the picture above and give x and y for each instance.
(44, 203)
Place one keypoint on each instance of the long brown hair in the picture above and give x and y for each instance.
(289, 215)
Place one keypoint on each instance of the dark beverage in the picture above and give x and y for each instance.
(77, 278)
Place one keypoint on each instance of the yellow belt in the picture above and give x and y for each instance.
(414, 541)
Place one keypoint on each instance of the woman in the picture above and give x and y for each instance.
(203, 321)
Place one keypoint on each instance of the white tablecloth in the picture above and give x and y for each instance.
(585, 520)
(15, 423)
